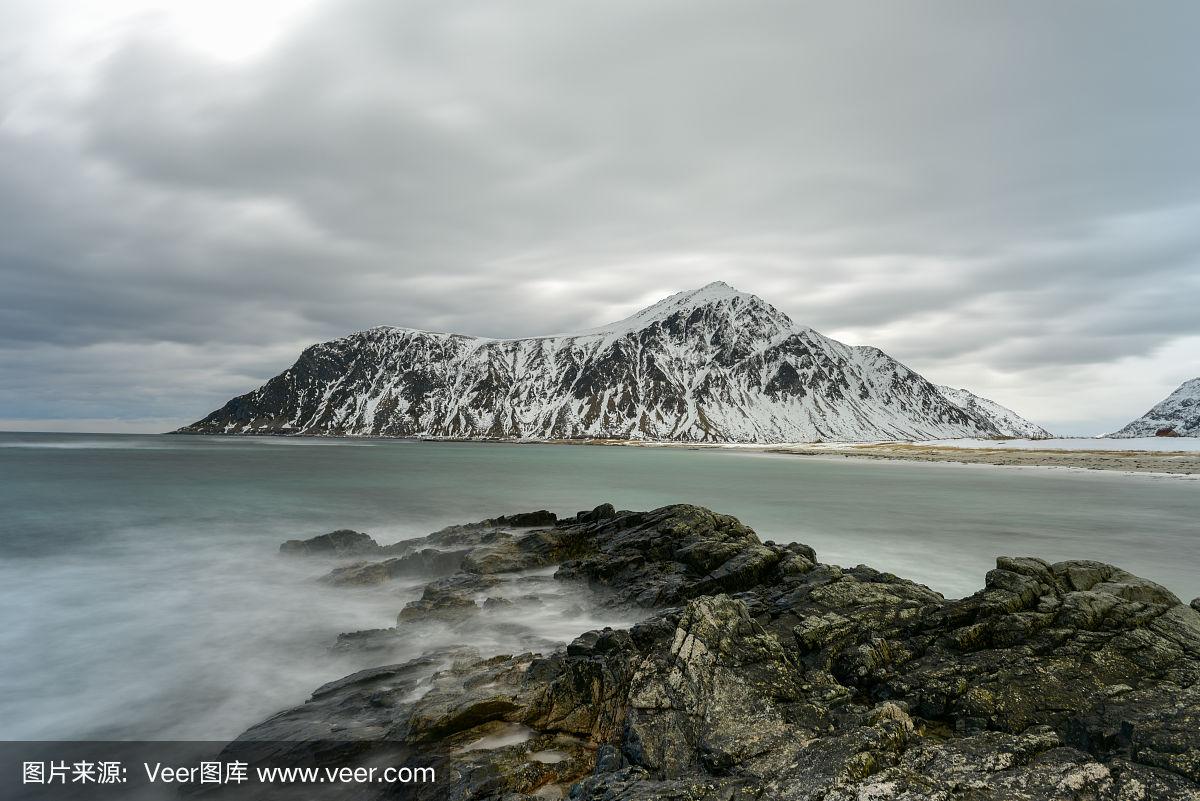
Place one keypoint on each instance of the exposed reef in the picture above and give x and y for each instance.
(757, 672)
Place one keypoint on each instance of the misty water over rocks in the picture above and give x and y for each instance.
(143, 595)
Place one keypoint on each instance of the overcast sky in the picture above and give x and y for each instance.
(1003, 195)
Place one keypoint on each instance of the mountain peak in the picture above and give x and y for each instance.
(716, 290)
(716, 294)
(1177, 415)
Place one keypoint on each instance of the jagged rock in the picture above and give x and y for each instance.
(527, 519)
(425, 562)
(438, 554)
(450, 599)
(602, 512)
(501, 556)
(715, 698)
(761, 674)
(671, 554)
(341, 543)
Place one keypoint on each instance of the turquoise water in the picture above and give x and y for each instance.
(142, 596)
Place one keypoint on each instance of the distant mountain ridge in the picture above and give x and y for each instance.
(707, 365)
(1177, 415)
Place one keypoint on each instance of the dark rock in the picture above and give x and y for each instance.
(425, 562)
(669, 555)
(428, 556)
(340, 543)
(451, 599)
(602, 512)
(357, 574)
(528, 519)
(761, 674)
(803, 550)
(501, 556)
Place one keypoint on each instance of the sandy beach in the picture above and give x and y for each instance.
(1117, 455)
(1139, 461)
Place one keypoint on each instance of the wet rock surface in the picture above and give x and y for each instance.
(758, 673)
(340, 543)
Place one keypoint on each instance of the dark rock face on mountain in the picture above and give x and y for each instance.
(1178, 415)
(713, 364)
(757, 672)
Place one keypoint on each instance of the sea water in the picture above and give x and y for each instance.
(142, 595)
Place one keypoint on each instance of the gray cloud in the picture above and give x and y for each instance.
(983, 190)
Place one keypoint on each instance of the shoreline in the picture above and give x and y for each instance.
(1167, 463)
(1146, 462)
(1173, 463)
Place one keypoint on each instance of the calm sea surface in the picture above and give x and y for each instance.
(141, 595)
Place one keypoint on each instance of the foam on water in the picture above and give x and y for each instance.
(511, 734)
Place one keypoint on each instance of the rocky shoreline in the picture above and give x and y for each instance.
(753, 671)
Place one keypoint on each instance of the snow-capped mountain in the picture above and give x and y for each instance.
(1178, 415)
(1003, 418)
(709, 365)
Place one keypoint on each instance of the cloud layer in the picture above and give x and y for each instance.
(1005, 196)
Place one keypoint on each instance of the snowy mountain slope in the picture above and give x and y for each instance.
(1002, 417)
(712, 364)
(1178, 415)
